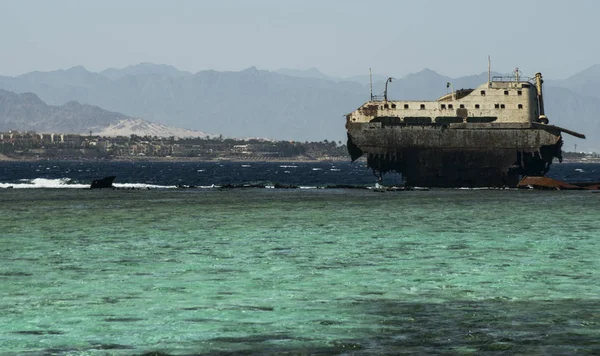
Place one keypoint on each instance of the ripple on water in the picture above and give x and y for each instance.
(300, 272)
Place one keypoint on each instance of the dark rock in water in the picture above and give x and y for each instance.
(105, 182)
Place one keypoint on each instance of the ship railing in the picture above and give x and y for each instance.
(378, 97)
(510, 78)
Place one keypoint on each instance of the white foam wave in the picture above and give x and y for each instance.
(287, 166)
(66, 183)
(44, 183)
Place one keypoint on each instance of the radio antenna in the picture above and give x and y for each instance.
(371, 82)
(489, 72)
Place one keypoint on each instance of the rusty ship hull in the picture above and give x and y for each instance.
(490, 136)
(470, 156)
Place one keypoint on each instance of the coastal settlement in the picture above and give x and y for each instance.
(29, 145)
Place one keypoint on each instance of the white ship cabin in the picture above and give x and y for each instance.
(503, 100)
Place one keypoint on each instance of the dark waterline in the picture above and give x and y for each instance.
(220, 173)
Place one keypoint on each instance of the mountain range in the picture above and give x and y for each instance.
(286, 104)
(27, 112)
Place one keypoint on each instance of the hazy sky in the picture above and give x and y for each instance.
(340, 38)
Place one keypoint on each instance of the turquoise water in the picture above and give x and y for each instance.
(263, 271)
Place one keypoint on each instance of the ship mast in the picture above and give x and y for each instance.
(489, 72)
(371, 83)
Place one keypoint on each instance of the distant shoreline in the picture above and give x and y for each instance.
(5, 158)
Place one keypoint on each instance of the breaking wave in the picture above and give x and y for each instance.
(44, 183)
(68, 183)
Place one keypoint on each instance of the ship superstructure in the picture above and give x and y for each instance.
(487, 136)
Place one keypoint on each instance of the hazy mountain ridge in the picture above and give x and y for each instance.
(293, 106)
(247, 103)
(27, 112)
(164, 70)
(308, 73)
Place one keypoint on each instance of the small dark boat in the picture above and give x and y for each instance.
(105, 182)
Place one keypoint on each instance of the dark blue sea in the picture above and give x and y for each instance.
(206, 271)
(68, 174)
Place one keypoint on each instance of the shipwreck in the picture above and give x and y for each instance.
(490, 136)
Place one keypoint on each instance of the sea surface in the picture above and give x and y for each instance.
(151, 268)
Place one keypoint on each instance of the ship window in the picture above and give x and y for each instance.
(506, 92)
(476, 106)
(406, 106)
(520, 106)
(443, 106)
(393, 106)
(422, 106)
(501, 106)
(462, 106)
(385, 106)
(525, 86)
(450, 106)
(497, 106)
(483, 93)
(519, 92)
